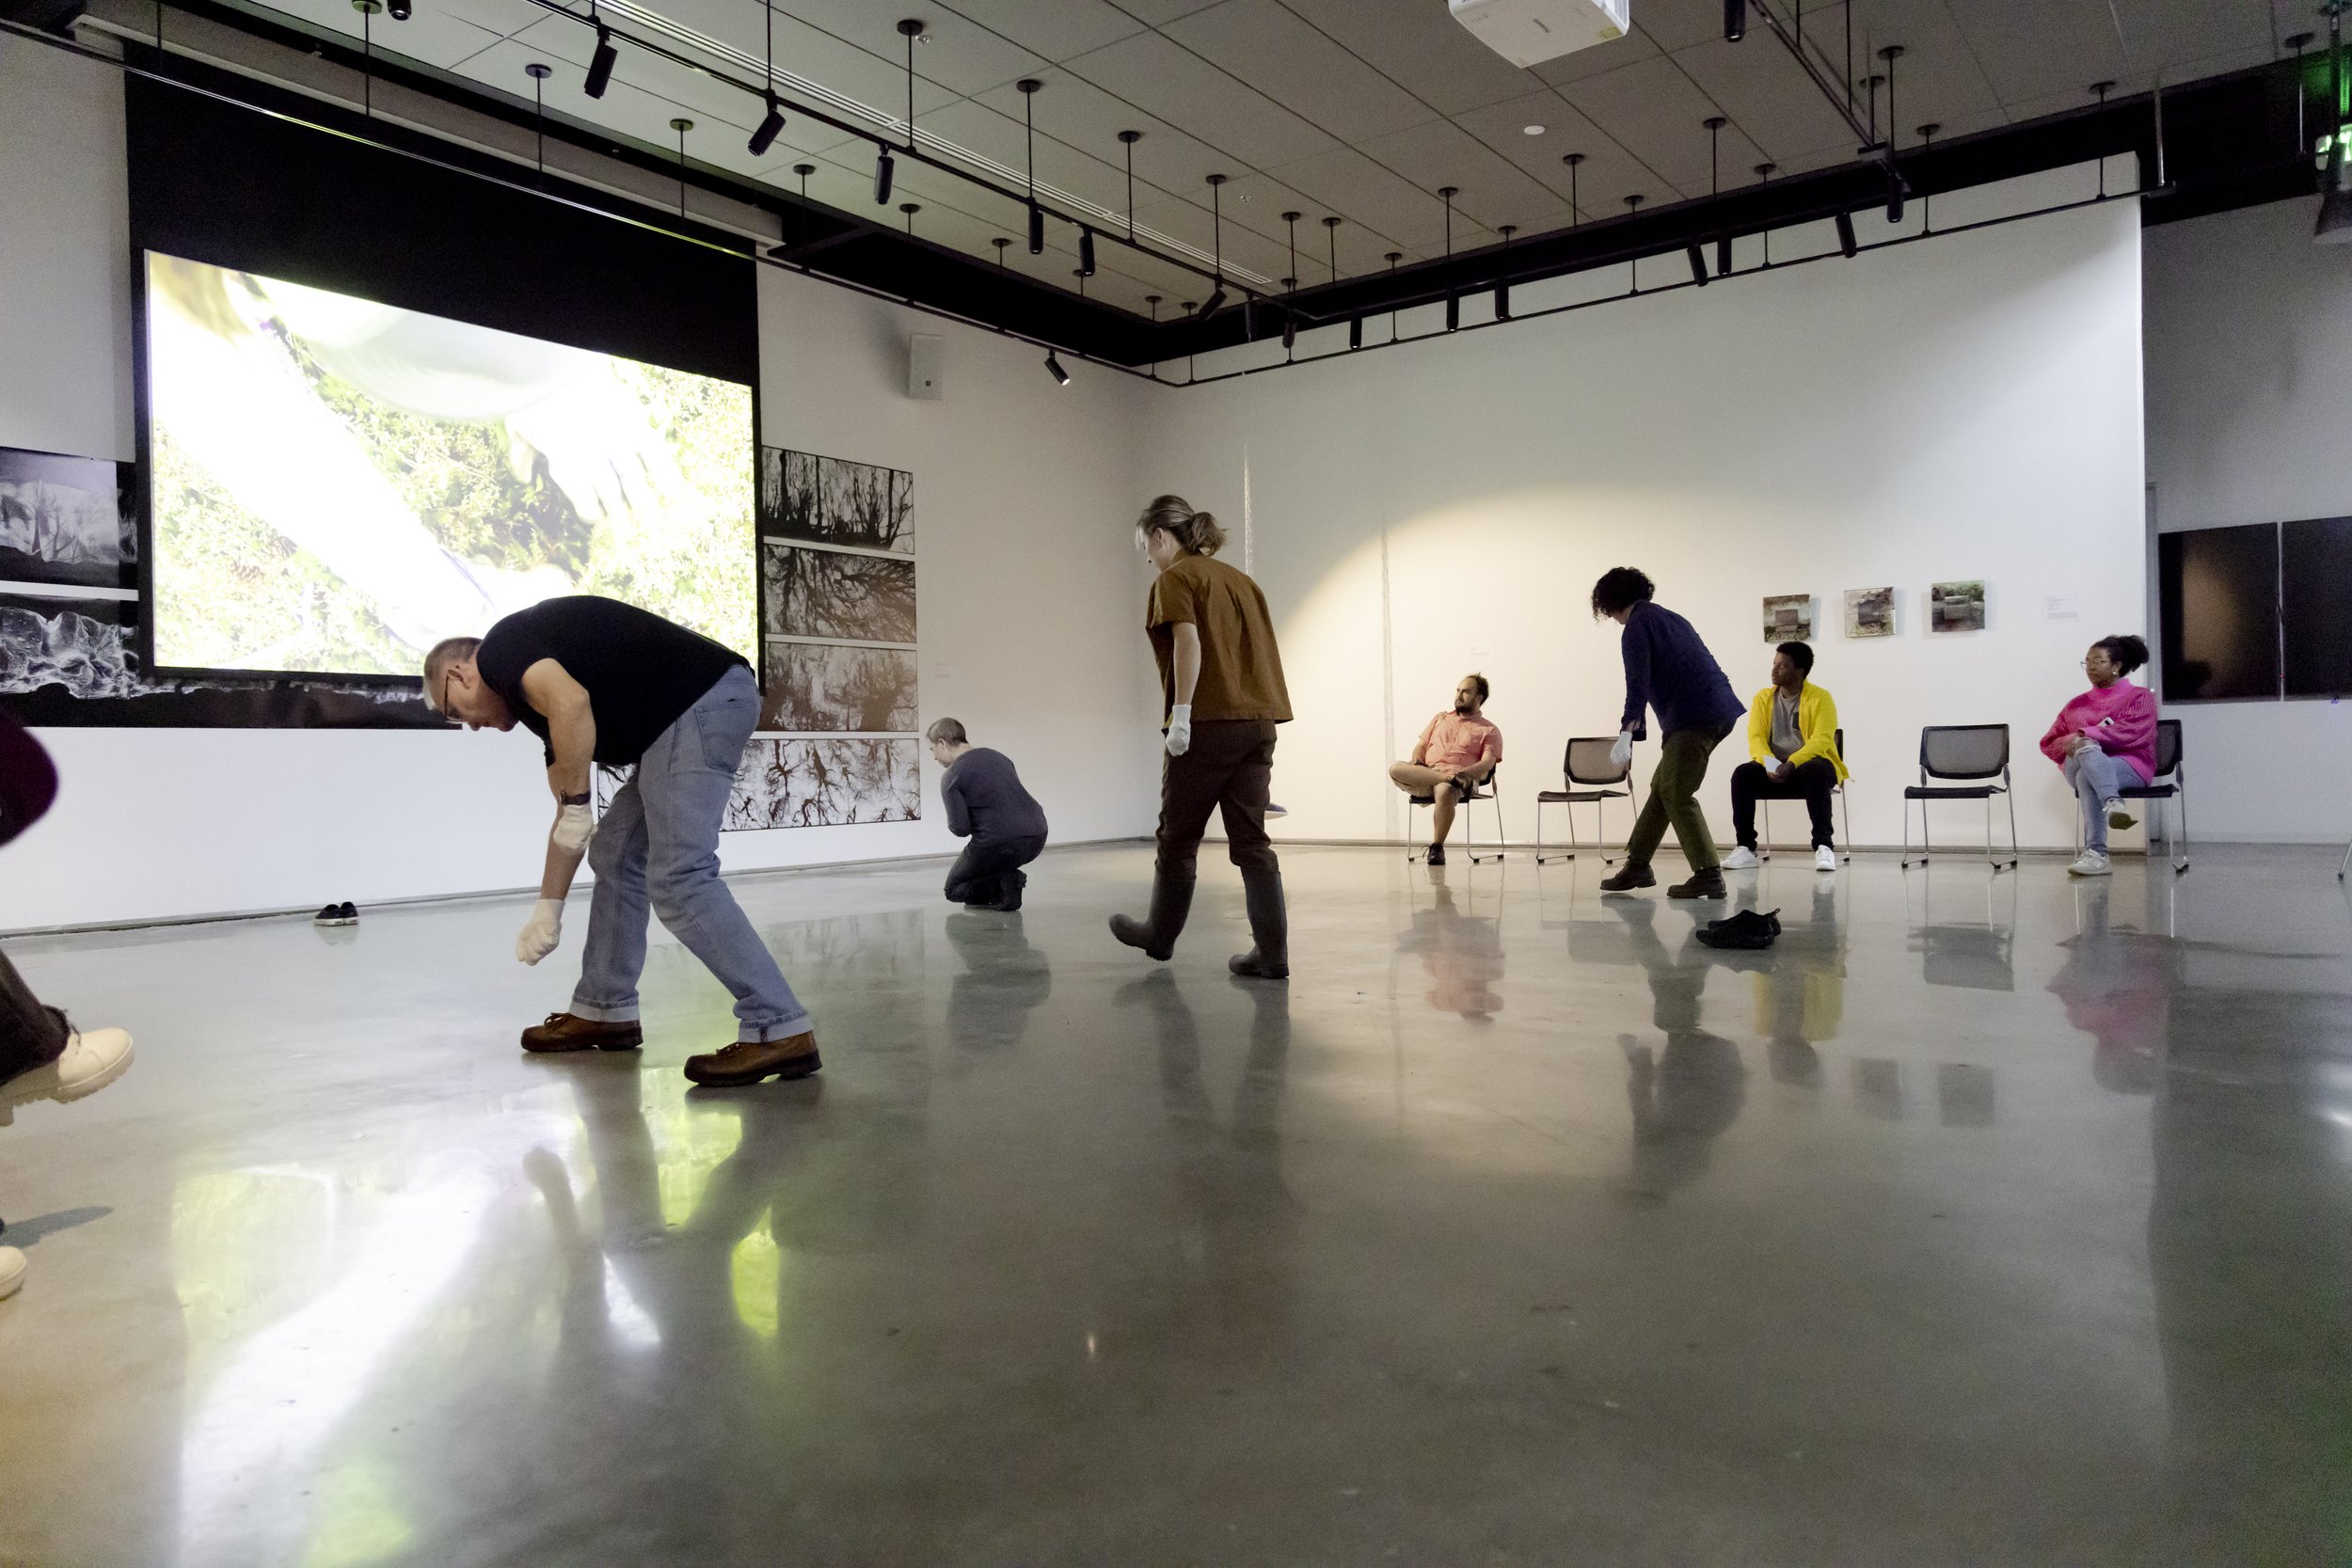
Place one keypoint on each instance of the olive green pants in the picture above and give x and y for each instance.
(1673, 791)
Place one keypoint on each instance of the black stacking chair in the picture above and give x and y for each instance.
(1771, 792)
(2169, 783)
(1976, 754)
(1588, 774)
(1484, 790)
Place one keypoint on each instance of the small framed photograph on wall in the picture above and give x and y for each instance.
(1956, 607)
(1869, 612)
(1787, 617)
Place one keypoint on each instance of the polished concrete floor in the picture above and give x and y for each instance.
(1985, 1220)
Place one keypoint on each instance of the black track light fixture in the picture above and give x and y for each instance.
(1085, 252)
(1354, 332)
(1217, 230)
(770, 127)
(1697, 258)
(1503, 285)
(1893, 197)
(1735, 20)
(1723, 256)
(886, 175)
(1002, 245)
(910, 208)
(600, 63)
(1845, 233)
(772, 124)
(399, 10)
(1453, 313)
(1128, 140)
(1290, 330)
(1331, 232)
(1030, 87)
(1052, 368)
(1576, 214)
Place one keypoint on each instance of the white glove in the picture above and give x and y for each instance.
(574, 828)
(1622, 752)
(1180, 729)
(541, 932)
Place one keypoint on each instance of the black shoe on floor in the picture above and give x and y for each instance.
(336, 914)
(1745, 929)
(1008, 891)
(1703, 884)
(1436, 854)
(1631, 875)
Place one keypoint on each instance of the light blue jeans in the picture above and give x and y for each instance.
(656, 852)
(2098, 778)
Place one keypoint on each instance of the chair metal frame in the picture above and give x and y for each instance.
(1482, 790)
(1924, 793)
(1845, 812)
(1571, 799)
(2170, 784)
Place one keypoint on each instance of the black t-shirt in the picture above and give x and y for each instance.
(640, 671)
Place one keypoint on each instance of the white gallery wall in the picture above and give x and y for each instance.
(1967, 407)
(2250, 401)
(1029, 590)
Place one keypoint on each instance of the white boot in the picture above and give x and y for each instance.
(93, 1058)
(1741, 859)
(12, 1272)
(2090, 863)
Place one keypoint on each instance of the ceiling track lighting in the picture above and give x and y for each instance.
(1217, 228)
(1128, 140)
(600, 63)
(1845, 233)
(1453, 313)
(770, 127)
(1576, 214)
(539, 71)
(1723, 256)
(886, 174)
(1502, 284)
(1216, 302)
(1697, 258)
(1029, 86)
(1290, 331)
(772, 124)
(1354, 332)
(1736, 20)
(1085, 252)
(1052, 368)
(399, 10)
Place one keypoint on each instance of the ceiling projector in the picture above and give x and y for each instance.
(1529, 32)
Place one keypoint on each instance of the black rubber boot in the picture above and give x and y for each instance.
(1269, 928)
(1171, 901)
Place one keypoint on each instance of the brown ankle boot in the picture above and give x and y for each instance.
(749, 1061)
(564, 1032)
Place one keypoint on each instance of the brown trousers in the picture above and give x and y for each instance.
(1229, 769)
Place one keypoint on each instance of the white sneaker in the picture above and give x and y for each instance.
(2117, 816)
(2090, 863)
(12, 1272)
(93, 1058)
(1825, 859)
(1741, 859)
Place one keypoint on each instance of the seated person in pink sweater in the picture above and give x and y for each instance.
(2105, 742)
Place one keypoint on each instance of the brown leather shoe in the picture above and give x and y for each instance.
(749, 1061)
(562, 1032)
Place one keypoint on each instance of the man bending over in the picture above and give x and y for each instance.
(1456, 753)
(598, 681)
(1793, 748)
(985, 803)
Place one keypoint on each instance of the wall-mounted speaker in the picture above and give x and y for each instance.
(927, 361)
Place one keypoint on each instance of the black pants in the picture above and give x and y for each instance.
(1812, 784)
(1229, 769)
(31, 1035)
(977, 876)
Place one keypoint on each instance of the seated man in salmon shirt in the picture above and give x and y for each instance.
(1454, 754)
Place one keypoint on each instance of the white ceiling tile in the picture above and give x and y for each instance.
(1673, 24)
(1768, 96)
(1054, 29)
(1635, 45)
(1491, 189)
(960, 55)
(1658, 114)
(1159, 13)
(1270, 47)
(1420, 47)
(2038, 49)
(1158, 75)
(1384, 209)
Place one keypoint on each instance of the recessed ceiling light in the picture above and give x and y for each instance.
(1530, 130)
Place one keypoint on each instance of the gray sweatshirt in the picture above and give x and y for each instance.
(984, 798)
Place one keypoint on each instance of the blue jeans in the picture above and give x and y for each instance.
(2098, 778)
(656, 852)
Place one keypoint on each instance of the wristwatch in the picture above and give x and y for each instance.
(578, 800)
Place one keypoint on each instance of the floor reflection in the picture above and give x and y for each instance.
(1460, 950)
(1004, 980)
(1689, 1089)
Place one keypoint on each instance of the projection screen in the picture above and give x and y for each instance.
(336, 484)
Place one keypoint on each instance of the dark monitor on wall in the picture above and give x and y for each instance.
(2218, 589)
(2316, 603)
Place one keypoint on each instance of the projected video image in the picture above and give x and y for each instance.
(338, 485)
